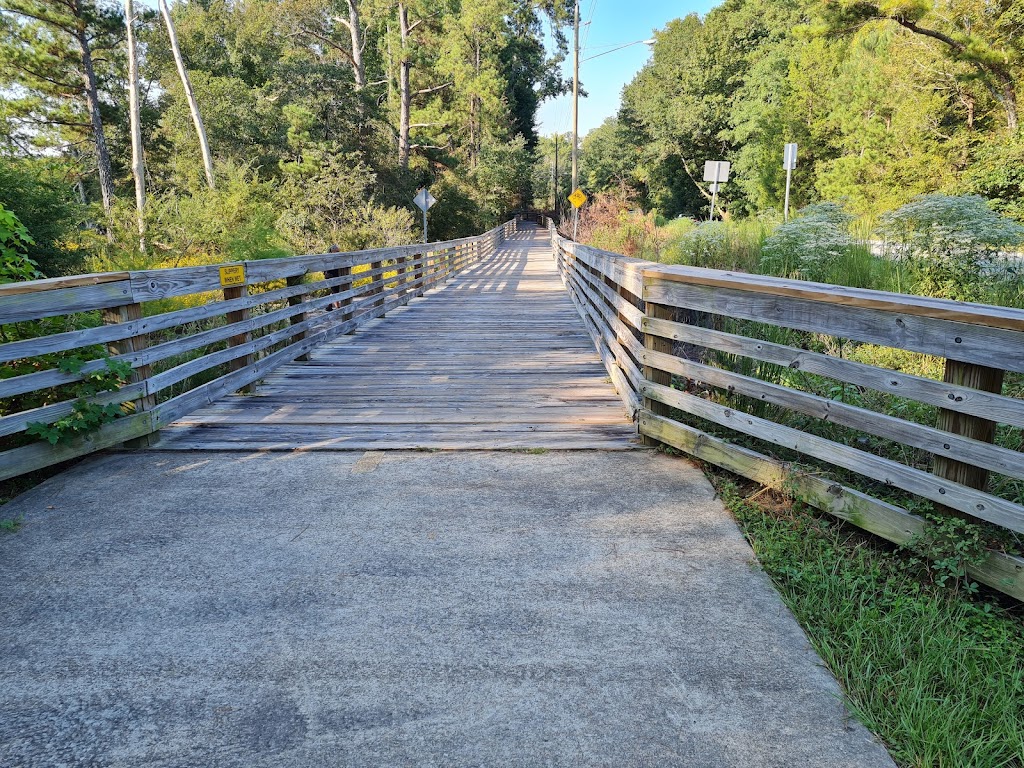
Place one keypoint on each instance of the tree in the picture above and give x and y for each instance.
(136, 124)
(985, 36)
(190, 96)
(46, 58)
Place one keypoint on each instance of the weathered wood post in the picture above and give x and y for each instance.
(377, 283)
(127, 313)
(656, 344)
(978, 377)
(421, 272)
(239, 316)
(294, 301)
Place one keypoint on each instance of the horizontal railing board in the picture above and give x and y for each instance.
(968, 500)
(60, 283)
(632, 314)
(39, 454)
(47, 414)
(935, 441)
(988, 405)
(37, 305)
(999, 570)
(978, 344)
(1009, 318)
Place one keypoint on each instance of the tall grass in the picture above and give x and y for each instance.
(939, 679)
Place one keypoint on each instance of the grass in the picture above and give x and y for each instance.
(936, 674)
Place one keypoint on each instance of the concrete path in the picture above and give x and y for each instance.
(400, 609)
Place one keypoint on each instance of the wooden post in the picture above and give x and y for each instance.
(378, 284)
(294, 301)
(657, 344)
(421, 270)
(330, 274)
(978, 377)
(241, 315)
(127, 313)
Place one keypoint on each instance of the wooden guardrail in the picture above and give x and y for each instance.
(696, 353)
(190, 335)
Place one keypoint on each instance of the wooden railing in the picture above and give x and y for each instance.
(190, 334)
(707, 360)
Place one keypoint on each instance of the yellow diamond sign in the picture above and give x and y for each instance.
(577, 198)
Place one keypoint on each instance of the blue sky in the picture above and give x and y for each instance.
(612, 22)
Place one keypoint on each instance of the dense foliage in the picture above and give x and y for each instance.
(887, 101)
(323, 117)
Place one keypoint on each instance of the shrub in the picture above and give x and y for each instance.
(15, 265)
(951, 245)
(809, 246)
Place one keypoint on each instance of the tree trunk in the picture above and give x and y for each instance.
(92, 100)
(136, 127)
(354, 26)
(404, 92)
(189, 94)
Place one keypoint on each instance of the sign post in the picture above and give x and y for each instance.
(577, 198)
(788, 164)
(717, 172)
(423, 201)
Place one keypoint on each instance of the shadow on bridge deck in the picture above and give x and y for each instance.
(496, 358)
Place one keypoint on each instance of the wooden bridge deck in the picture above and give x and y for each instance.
(496, 358)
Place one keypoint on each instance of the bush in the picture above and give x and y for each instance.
(39, 193)
(15, 265)
(809, 246)
(951, 246)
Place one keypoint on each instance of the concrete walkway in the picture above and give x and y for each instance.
(400, 609)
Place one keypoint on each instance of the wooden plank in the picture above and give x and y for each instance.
(18, 307)
(999, 571)
(968, 472)
(29, 458)
(972, 502)
(935, 441)
(1006, 410)
(60, 283)
(1009, 318)
(979, 344)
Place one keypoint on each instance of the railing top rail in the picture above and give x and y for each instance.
(263, 269)
(1009, 318)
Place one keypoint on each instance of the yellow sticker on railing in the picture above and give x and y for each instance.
(232, 276)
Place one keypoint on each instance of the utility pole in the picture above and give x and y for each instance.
(575, 91)
(575, 108)
(555, 179)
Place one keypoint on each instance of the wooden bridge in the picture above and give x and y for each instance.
(495, 358)
(475, 343)
(260, 580)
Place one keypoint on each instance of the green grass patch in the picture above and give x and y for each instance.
(937, 674)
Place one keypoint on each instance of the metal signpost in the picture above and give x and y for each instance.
(717, 172)
(577, 198)
(423, 201)
(788, 164)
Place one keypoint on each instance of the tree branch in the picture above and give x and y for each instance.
(435, 88)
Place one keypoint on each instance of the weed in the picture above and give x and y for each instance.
(937, 674)
(10, 525)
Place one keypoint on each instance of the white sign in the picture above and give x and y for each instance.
(716, 171)
(424, 199)
(789, 157)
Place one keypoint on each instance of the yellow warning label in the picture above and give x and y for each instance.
(577, 198)
(230, 276)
